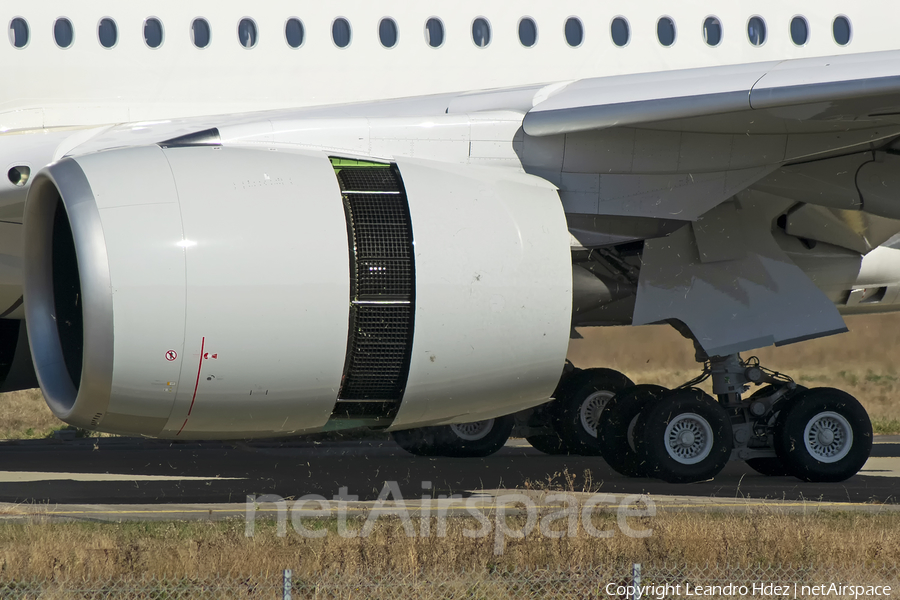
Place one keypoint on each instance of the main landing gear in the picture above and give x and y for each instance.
(685, 435)
(680, 435)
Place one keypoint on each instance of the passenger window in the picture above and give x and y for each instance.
(340, 32)
(293, 32)
(247, 33)
(200, 33)
(434, 32)
(756, 31)
(18, 32)
(665, 31)
(574, 32)
(620, 31)
(387, 33)
(712, 31)
(153, 32)
(527, 32)
(481, 32)
(841, 30)
(63, 32)
(107, 32)
(799, 31)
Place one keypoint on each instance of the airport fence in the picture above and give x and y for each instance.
(626, 581)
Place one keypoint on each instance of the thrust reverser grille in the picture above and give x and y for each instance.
(382, 288)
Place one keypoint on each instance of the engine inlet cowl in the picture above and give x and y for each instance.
(68, 309)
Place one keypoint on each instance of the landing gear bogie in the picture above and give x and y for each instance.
(685, 435)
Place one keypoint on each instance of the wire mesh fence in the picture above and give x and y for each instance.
(624, 581)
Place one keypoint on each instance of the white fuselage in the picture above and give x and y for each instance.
(88, 84)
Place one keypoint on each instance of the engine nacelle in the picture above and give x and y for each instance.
(215, 292)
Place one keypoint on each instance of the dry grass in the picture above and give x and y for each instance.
(93, 550)
(25, 415)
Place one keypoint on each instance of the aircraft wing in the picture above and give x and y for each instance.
(852, 91)
(670, 144)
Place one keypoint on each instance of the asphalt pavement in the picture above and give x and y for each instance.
(159, 475)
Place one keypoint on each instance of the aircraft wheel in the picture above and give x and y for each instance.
(460, 440)
(421, 441)
(548, 444)
(684, 436)
(616, 432)
(480, 438)
(824, 434)
(579, 406)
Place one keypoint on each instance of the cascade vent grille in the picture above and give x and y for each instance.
(382, 287)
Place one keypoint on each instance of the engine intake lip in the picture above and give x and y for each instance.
(76, 402)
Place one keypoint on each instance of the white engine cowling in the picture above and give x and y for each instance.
(214, 292)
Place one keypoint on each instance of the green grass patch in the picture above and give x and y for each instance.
(880, 378)
(849, 376)
(886, 426)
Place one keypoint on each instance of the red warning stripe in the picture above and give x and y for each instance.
(196, 385)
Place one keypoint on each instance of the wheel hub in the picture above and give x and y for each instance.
(591, 409)
(472, 431)
(828, 437)
(688, 438)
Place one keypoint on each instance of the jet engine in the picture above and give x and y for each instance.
(204, 292)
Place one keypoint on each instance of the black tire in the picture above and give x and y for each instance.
(579, 402)
(548, 443)
(421, 441)
(447, 440)
(771, 466)
(701, 418)
(619, 419)
(806, 457)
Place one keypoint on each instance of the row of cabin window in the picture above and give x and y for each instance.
(388, 32)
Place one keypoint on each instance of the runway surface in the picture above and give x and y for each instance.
(158, 479)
